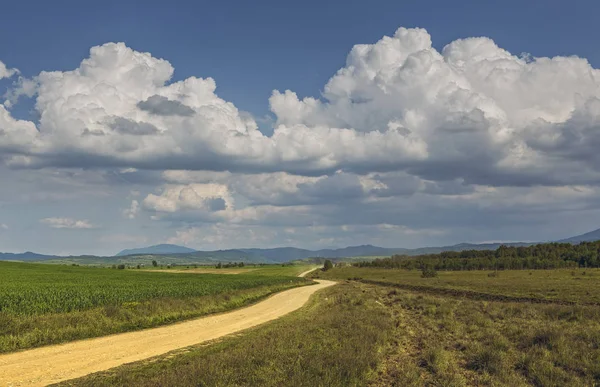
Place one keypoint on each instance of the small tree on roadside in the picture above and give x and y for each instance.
(154, 263)
(328, 265)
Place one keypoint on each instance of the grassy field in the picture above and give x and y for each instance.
(357, 334)
(577, 286)
(44, 304)
(262, 270)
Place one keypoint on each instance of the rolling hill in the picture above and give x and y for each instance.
(157, 249)
(587, 237)
(27, 256)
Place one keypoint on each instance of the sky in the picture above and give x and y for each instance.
(311, 124)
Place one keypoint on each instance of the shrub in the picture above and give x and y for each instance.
(429, 272)
(328, 265)
(154, 263)
(121, 267)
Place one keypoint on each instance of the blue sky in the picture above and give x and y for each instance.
(251, 49)
(506, 162)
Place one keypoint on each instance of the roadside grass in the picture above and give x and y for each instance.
(356, 334)
(581, 286)
(333, 341)
(45, 304)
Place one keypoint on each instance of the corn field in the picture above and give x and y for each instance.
(36, 289)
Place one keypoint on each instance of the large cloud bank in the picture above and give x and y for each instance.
(472, 111)
(404, 140)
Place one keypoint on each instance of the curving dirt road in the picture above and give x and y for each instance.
(303, 274)
(47, 365)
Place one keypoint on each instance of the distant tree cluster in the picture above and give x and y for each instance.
(229, 265)
(541, 256)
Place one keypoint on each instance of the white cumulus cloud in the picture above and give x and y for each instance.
(133, 210)
(472, 111)
(206, 198)
(6, 72)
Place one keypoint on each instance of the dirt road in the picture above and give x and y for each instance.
(47, 365)
(308, 271)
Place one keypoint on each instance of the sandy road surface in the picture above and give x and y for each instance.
(303, 274)
(47, 365)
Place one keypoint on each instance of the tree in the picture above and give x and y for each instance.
(219, 265)
(121, 267)
(154, 263)
(328, 265)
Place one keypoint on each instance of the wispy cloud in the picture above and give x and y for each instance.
(68, 223)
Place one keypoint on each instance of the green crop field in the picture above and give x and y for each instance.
(43, 304)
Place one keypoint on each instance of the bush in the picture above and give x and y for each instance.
(428, 272)
(154, 263)
(121, 267)
(328, 265)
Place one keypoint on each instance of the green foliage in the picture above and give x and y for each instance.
(121, 267)
(230, 265)
(154, 263)
(541, 256)
(29, 289)
(328, 265)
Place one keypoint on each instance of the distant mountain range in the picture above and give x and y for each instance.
(168, 253)
(157, 249)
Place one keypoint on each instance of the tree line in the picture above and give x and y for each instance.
(540, 256)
